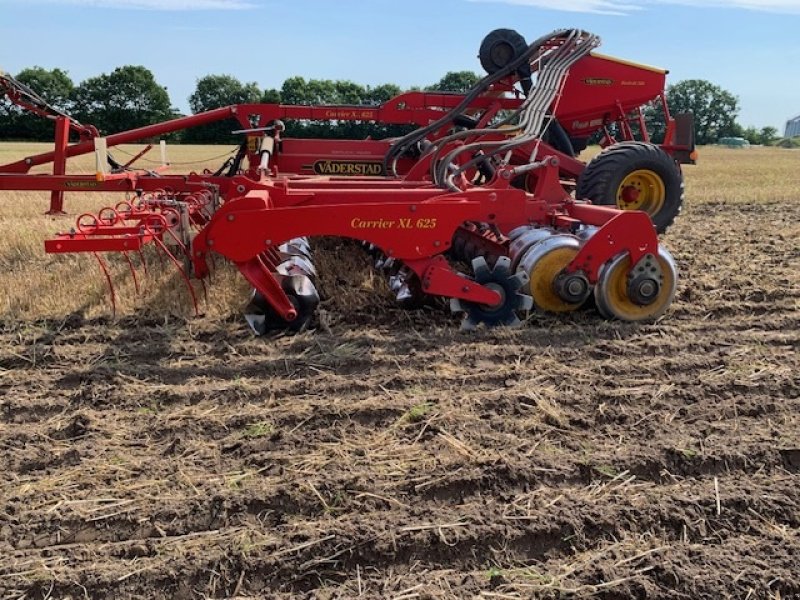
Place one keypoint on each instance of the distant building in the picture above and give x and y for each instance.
(793, 127)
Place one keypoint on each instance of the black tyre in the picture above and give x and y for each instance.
(557, 137)
(635, 176)
(500, 48)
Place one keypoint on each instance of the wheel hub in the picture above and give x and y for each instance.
(644, 281)
(573, 288)
(643, 290)
(495, 287)
(642, 189)
(630, 195)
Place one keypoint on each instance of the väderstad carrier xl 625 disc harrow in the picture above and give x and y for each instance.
(486, 180)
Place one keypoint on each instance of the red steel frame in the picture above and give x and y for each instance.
(412, 225)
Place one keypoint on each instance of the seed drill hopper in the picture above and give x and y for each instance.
(475, 206)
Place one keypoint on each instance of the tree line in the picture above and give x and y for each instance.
(130, 97)
(715, 113)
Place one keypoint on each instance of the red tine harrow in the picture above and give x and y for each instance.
(160, 218)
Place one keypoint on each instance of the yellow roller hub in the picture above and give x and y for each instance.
(612, 290)
(642, 189)
(542, 276)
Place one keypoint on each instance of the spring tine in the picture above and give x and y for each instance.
(205, 290)
(180, 244)
(104, 268)
(143, 261)
(160, 258)
(185, 277)
(133, 271)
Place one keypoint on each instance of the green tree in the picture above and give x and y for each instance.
(54, 86)
(456, 81)
(271, 96)
(294, 91)
(321, 91)
(382, 93)
(751, 134)
(714, 109)
(767, 135)
(216, 91)
(299, 91)
(7, 125)
(127, 98)
(347, 92)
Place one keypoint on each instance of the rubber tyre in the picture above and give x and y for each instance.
(501, 48)
(603, 175)
(557, 137)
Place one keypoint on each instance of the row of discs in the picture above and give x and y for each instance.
(402, 281)
(297, 276)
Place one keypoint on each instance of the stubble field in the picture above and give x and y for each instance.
(386, 454)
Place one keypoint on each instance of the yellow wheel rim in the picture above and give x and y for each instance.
(642, 189)
(612, 291)
(544, 273)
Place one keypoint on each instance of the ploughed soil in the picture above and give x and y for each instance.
(388, 455)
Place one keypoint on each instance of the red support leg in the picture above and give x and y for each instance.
(59, 164)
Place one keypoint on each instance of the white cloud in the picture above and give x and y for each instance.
(781, 6)
(171, 5)
(623, 7)
(602, 7)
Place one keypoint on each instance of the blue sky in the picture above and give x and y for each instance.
(750, 47)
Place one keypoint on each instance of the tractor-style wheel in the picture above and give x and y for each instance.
(635, 176)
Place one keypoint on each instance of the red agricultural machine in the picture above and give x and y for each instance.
(486, 180)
